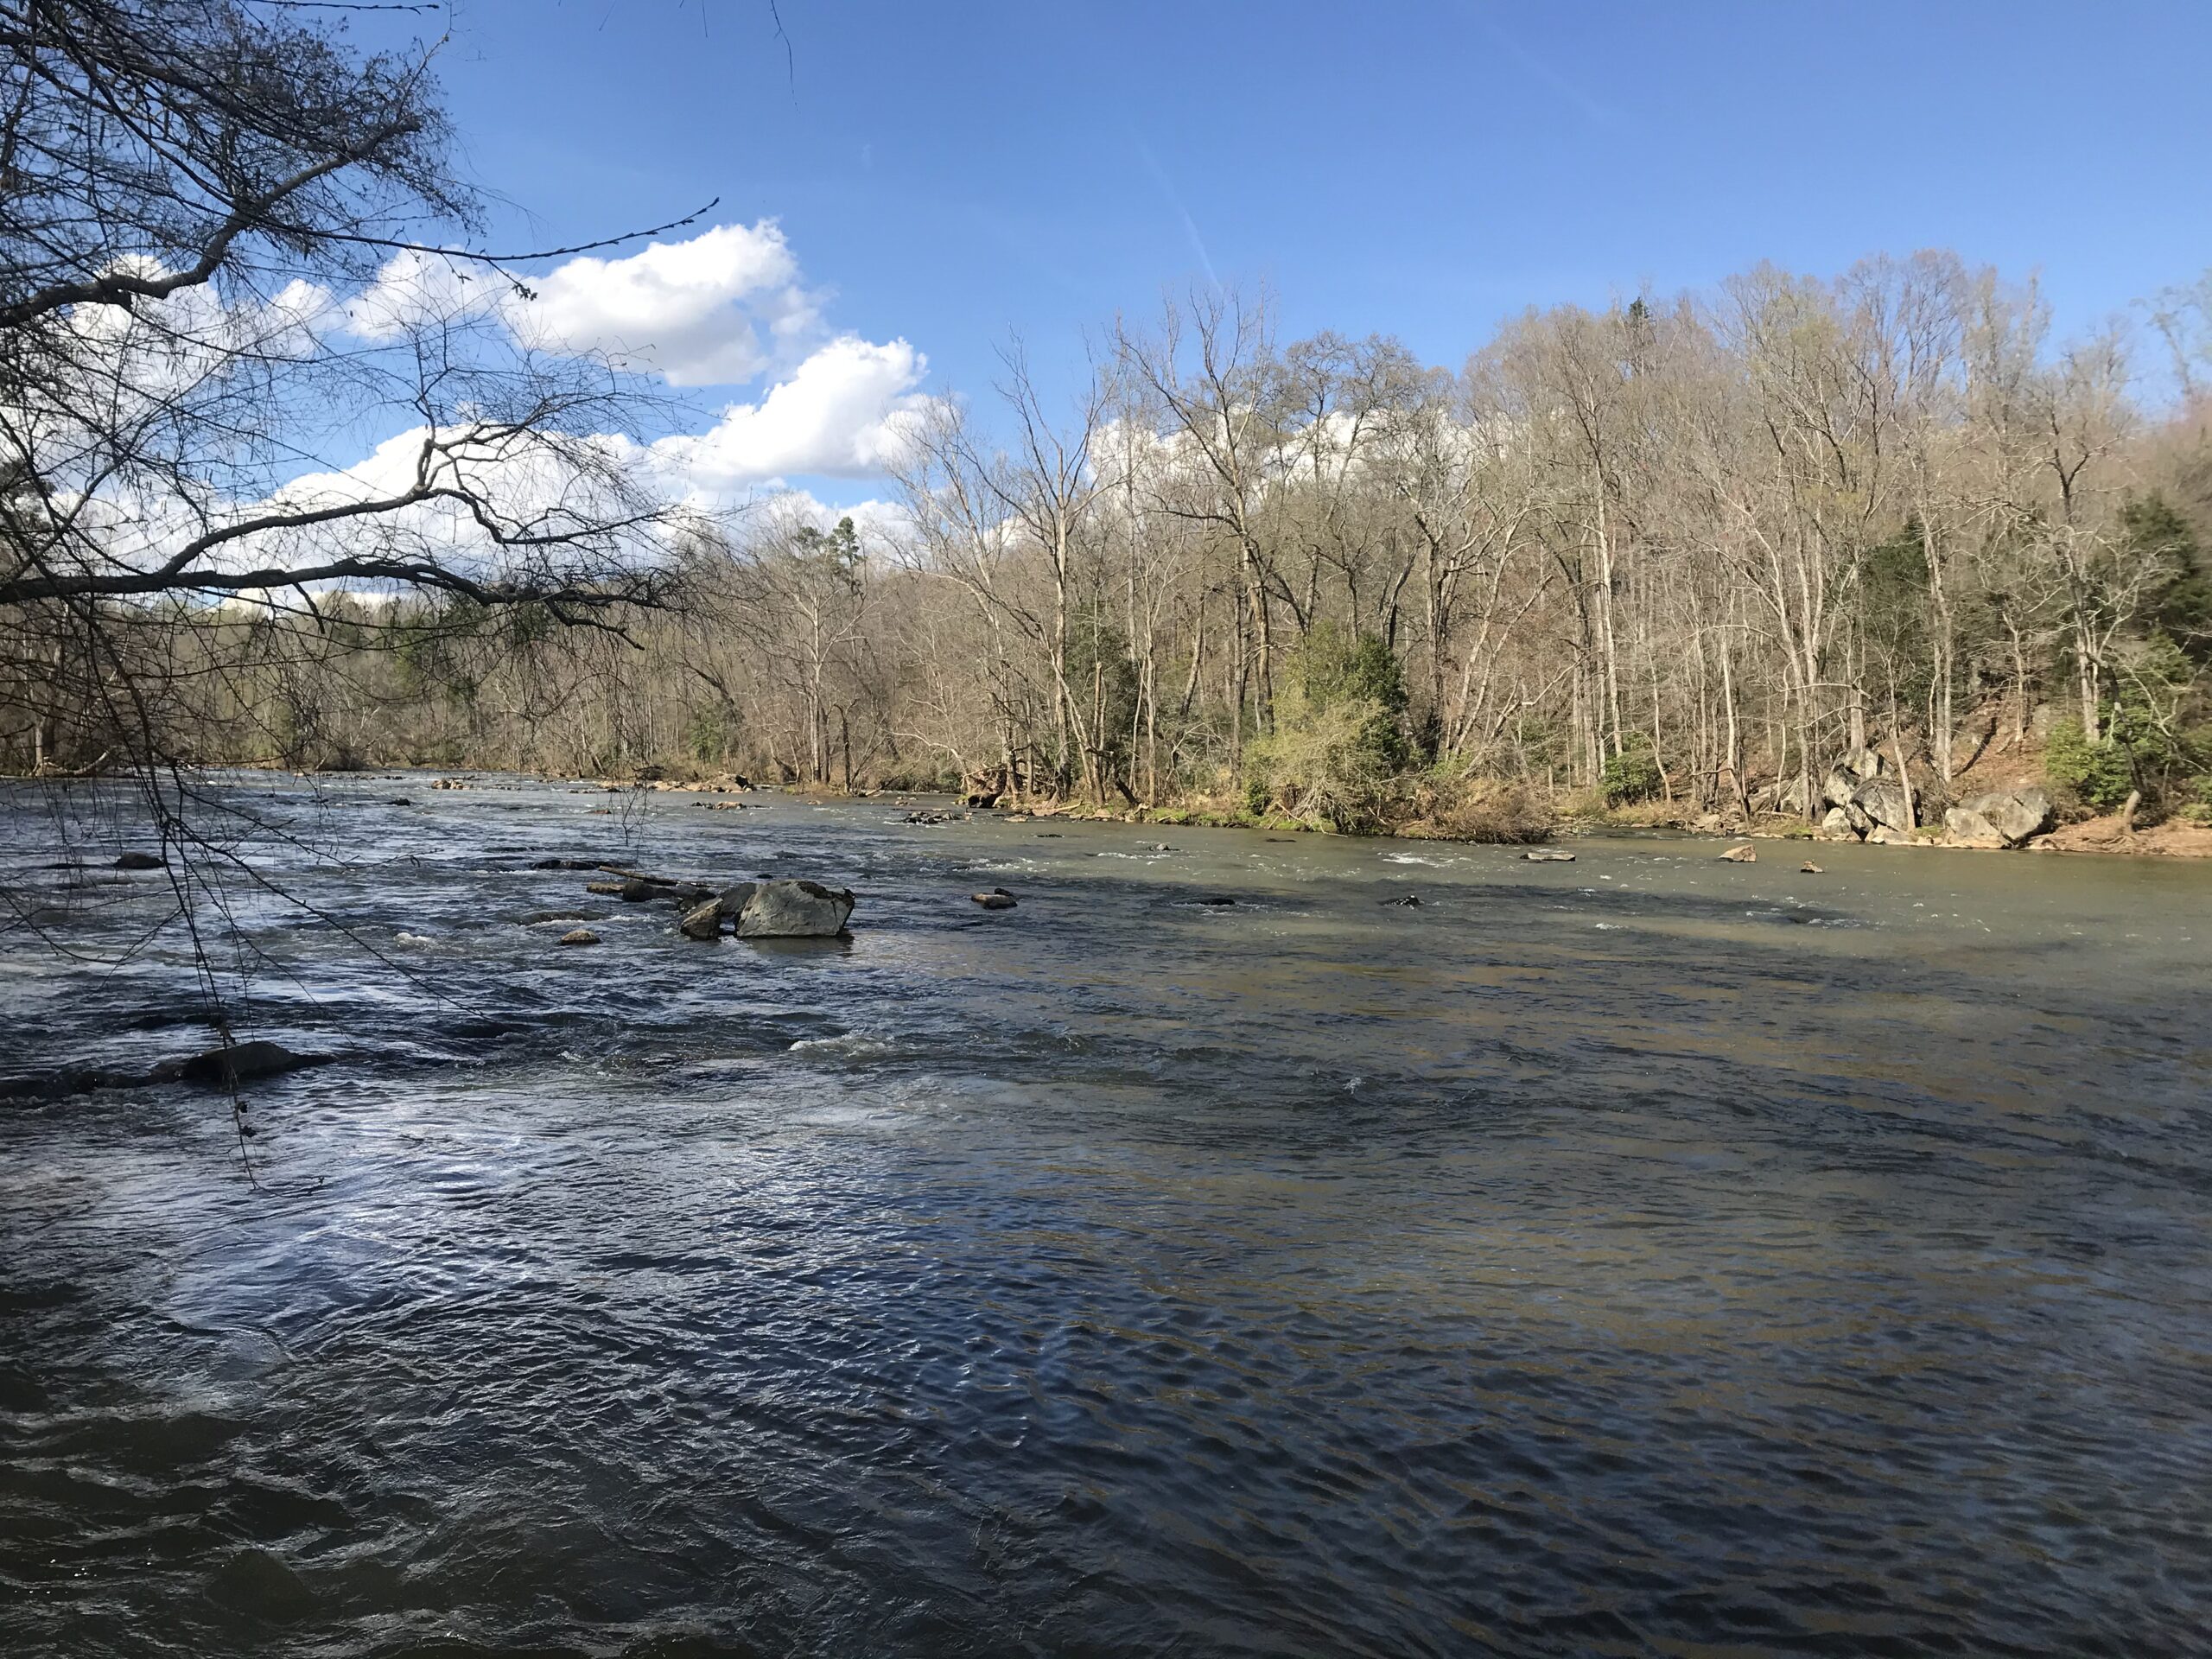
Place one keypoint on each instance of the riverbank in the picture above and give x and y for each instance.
(2108, 834)
(1504, 817)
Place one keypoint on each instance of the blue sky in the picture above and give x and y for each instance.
(944, 172)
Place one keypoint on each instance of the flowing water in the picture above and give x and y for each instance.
(1640, 1254)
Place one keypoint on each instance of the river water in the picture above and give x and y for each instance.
(1640, 1254)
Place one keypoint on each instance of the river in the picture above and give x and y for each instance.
(1642, 1254)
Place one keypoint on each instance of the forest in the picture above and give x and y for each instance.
(1675, 558)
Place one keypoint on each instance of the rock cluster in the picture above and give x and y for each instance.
(772, 910)
(1866, 803)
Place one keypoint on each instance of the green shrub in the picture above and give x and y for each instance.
(1322, 764)
(1339, 741)
(2101, 775)
(1334, 670)
(1631, 776)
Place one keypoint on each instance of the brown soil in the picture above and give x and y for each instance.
(2173, 839)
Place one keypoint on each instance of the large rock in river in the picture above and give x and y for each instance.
(1964, 827)
(2015, 814)
(1836, 825)
(1884, 801)
(788, 910)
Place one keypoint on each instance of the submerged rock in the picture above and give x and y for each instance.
(791, 910)
(1218, 901)
(996, 899)
(140, 862)
(1745, 854)
(579, 936)
(1548, 855)
(1407, 901)
(240, 1063)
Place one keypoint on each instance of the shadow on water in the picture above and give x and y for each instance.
(1639, 1254)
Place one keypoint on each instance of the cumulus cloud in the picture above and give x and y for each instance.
(842, 413)
(692, 312)
(717, 309)
(728, 307)
(420, 290)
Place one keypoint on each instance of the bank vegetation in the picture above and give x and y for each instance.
(1676, 558)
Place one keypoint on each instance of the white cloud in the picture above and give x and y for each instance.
(842, 413)
(692, 312)
(718, 309)
(880, 522)
(418, 290)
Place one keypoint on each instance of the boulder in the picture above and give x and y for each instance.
(791, 910)
(2015, 814)
(139, 861)
(1810, 868)
(1745, 854)
(703, 921)
(579, 936)
(996, 899)
(1840, 788)
(1882, 835)
(1964, 827)
(1836, 825)
(636, 890)
(1884, 801)
(1862, 763)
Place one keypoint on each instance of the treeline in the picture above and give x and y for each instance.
(1691, 553)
